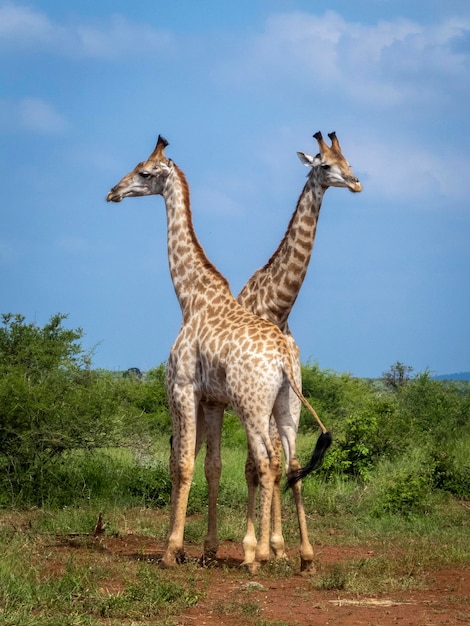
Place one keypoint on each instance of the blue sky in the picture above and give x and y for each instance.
(237, 88)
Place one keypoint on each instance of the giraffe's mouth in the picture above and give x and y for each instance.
(113, 196)
(355, 186)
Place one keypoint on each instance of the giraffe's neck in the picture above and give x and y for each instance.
(272, 290)
(192, 273)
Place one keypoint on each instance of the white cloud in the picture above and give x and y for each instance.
(120, 37)
(32, 115)
(25, 29)
(387, 63)
(412, 172)
(21, 26)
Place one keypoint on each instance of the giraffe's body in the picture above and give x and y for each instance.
(223, 355)
(271, 293)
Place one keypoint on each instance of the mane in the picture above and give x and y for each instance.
(206, 263)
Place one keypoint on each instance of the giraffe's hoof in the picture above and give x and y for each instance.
(180, 557)
(171, 559)
(307, 568)
(281, 556)
(208, 558)
(253, 567)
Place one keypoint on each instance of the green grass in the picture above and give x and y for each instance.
(52, 572)
(44, 580)
(51, 575)
(41, 584)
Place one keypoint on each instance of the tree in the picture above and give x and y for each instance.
(50, 399)
(397, 376)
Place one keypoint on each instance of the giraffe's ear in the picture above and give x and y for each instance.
(307, 159)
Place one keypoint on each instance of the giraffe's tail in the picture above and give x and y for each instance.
(323, 443)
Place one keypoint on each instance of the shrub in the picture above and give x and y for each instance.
(51, 402)
(144, 403)
(432, 409)
(359, 417)
(354, 452)
(448, 476)
(150, 485)
(402, 486)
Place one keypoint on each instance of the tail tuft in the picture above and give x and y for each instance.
(323, 443)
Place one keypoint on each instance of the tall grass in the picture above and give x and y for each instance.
(43, 585)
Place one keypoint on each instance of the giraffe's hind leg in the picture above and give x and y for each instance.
(257, 552)
(252, 482)
(277, 542)
(213, 415)
(287, 412)
(260, 470)
(306, 550)
(277, 538)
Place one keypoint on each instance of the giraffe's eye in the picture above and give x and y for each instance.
(144, 174)
(325, 166)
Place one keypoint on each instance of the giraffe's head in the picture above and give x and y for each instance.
(329, 166)
(147, 178)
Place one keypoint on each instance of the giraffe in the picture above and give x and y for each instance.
(271, 293)
(223, 354)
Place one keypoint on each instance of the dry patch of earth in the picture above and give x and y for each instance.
(230, 597)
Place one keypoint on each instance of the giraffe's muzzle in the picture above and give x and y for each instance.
(113, 196)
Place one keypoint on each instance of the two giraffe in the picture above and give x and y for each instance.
(223, 355)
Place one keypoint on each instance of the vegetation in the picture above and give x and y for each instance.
(61, 421)
(75, 441)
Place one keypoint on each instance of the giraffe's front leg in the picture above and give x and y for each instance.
(183, 411)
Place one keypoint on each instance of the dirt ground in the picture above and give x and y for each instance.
(443, 596)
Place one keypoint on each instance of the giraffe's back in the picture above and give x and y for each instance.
(234, 355)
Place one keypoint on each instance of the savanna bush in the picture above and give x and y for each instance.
(372, 422)
(448, 475)
(402, 487)
(62, 423)
(52, 404)
(358, 416)
(434, 409)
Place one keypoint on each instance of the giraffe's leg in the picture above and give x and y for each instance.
(201, 429)
(252, 398)
(252, 481)
(213, 414)
(306, 550)
(183, 406)
(287, 412)
(251, 475)
(260, 470)
(277, 539)
(266, 473)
